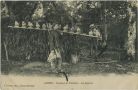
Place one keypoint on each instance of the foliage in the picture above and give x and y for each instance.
(82, 13)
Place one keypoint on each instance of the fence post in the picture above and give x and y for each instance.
(136, 45)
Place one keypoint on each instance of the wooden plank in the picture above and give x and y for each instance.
(72, 33)
(105, 62)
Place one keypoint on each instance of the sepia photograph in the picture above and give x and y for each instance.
(66, 45)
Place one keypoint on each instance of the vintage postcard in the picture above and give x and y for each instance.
(69, 45)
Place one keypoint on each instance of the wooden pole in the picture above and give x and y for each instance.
(136, 56)
(105, 25)
(5, 46)
(60, 31)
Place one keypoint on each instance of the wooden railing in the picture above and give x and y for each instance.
(60, 31)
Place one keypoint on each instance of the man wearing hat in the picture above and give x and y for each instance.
(94, 40)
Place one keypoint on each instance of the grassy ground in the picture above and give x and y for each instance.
(84, 67)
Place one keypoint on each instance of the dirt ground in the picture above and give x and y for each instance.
(108, 76)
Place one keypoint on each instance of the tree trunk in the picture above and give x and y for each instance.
(131, 35)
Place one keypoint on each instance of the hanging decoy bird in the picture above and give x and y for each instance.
(30, 25)
(23, 24)
(16, 24)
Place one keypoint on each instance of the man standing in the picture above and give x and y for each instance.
(55, 50)
(96, 36)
